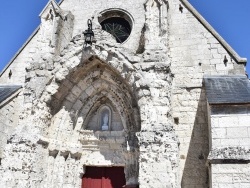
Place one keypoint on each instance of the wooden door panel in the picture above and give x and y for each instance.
(106, 183)
(92, 178)
(92, 183)
(104, 177)
(116, 176)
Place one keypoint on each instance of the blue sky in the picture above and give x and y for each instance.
(230, 18)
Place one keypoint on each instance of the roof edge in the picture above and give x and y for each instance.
(190, 8)
(53, 3)
(228, 104)
(25, 43)
(227, 90)
(59, 3)
(214, 32)
(225, 76)
(13, 95)
(20, 50)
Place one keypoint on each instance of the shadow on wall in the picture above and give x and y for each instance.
(195, 172)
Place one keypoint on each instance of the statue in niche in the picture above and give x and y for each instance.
(104, 118)
(105, 126)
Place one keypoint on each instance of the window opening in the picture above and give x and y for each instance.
(118, 27)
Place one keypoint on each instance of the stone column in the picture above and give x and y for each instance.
(158, 160)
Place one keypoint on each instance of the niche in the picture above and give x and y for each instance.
(104, 118)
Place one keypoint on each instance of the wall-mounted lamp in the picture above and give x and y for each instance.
(89, 34)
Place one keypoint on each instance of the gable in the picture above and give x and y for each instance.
(50, 5)
(213, 32)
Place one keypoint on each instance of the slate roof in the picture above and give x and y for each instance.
(227, 89)
(7, 90)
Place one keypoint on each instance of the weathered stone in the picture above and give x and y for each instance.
(150, 87)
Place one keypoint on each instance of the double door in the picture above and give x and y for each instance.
(104, 177)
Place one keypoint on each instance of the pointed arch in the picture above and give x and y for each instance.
(83, 90)
(90, 82)
(126, 113)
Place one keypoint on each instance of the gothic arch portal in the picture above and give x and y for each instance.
(89, 87)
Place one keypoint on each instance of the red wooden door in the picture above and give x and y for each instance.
(92, 178)
(104, 177)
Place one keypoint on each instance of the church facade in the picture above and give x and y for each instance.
(110, 94)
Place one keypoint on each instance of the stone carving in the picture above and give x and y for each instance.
(104, 118)
(120, 102)
(105, 126)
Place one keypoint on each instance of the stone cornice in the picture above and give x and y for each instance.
(229, 154)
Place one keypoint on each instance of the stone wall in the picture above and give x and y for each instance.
(153, 82)
(9, 118)
(194, 52)
(17, 67)
(230, 126)
(50, 38)
(230, 175)
(84, 10)
(229, 145)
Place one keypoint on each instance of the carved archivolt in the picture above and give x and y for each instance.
(96, 89)
(91, 87)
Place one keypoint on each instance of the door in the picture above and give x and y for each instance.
(104, 177)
